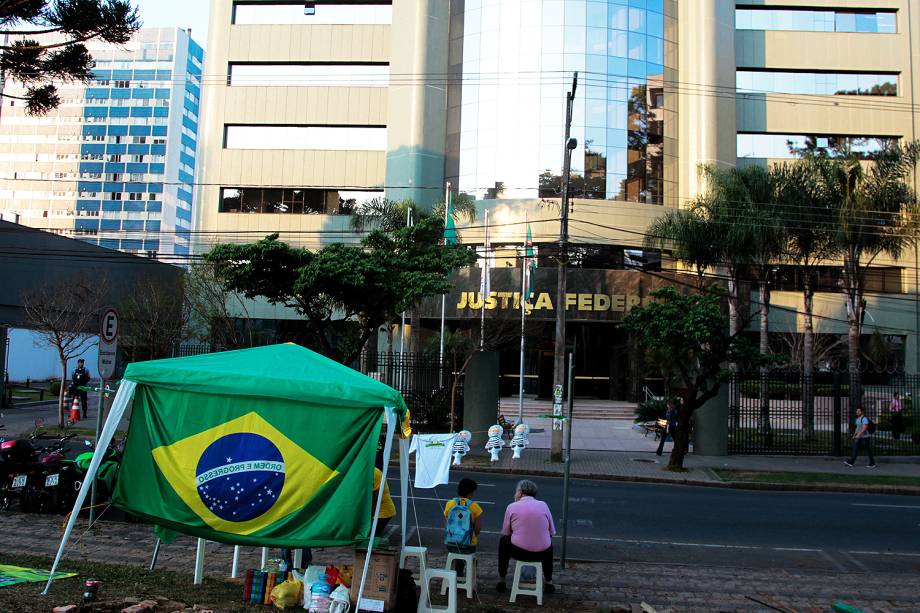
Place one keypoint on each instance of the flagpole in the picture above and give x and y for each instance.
(484, 285)
(447, 213)
(524, 265)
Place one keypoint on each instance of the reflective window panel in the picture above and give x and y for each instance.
(817, 83)
(809, 20)
(788, 146)
(335, 138)
(311, 13)
(293, 201)
(516, 59)
(310, 75)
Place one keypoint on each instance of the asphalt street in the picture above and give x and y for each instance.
(651, 523)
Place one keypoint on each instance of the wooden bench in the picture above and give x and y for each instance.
(658, 427)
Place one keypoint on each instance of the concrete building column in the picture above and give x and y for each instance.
(417, 119)
(706, 56)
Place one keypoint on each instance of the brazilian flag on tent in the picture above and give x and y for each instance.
(271, 446)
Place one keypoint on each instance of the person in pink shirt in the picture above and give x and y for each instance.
(527, 534)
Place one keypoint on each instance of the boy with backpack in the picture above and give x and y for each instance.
(463, 521)
(862, 437)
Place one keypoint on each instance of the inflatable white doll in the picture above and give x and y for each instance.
(495, 443)
(462, 445)
(519, 440)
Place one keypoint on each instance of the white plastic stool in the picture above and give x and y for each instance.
(421, 554)
(450, 580)
(527, 589)
(468, 580)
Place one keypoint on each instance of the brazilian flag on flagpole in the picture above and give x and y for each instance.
(530, 264)
(271, 446)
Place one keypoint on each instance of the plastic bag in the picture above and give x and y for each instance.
(287, 595)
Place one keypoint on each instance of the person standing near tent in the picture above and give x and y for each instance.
(387, 508)
(79, 378)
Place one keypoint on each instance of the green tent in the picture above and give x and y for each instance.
(271, 447)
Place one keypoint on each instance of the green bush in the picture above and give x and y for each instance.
(55, 387)
(650, 410)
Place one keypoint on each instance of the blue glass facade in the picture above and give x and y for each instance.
(140, 132)
(517, 62)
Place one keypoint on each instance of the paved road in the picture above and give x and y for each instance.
(640, 522)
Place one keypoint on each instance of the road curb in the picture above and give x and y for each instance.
(731, 485)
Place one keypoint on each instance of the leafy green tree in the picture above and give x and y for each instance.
(876, 213)
(47, 42)
(693, 332)
(345, 292)
(689, 237)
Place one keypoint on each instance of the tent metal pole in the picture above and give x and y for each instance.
(264, 558)
(156, 553)
(390, 414)
(403, 486)
(235, 567)
(125, 392)
(199, 563)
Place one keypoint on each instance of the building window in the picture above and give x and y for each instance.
(138, 140)
(334, 138)
(310, 75)
(787, 146)
(135, 196)
(113, 157)
(811, 20)
(292, 201)
(817, 83)
(115, 196)
(122, 84)
(311, 13)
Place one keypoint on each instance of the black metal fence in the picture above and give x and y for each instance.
(776, 414)
(429, 388)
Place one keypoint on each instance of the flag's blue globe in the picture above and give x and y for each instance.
(240, 476)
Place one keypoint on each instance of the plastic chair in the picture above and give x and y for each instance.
(450, 581)
(468, 580)
(527, 589)
(420, 553)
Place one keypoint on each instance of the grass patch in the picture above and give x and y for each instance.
(118, 582)
(770, 476)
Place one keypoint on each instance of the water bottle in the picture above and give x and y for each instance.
(319, 597)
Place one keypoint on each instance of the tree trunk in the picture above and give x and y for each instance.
(734, 385)
(808, 362)
(389, 375)
(766, 428)
(681, 438)
(855, 394)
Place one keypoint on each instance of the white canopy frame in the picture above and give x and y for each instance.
(119, 406)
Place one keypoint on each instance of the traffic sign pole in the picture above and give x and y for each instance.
(108, 350)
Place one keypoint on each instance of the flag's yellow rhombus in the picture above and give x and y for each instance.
(242, 475)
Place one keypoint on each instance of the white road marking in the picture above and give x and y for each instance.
(804, 549)
(584, 522)
(885, 506)
(834, 562)
(396, 497)
(886, 553)
(855, 561)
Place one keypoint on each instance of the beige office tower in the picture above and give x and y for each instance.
(312, 108)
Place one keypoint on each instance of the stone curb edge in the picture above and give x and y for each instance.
(733, 485)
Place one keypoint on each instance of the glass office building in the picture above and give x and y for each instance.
(515, 61)
(115, 163)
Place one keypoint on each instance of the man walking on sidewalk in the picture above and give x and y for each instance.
(862, 437)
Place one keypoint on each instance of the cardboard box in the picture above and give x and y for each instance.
(381, 576)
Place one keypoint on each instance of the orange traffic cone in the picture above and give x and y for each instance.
(75, 410)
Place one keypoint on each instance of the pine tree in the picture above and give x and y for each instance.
(45, 42)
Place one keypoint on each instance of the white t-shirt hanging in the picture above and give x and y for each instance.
(433, 453)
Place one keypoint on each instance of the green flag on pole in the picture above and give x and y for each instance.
(530, 265)
(272, 448)
(450, 228)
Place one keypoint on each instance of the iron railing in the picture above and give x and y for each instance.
(771, 414)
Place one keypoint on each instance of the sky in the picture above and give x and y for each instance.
(177, 13)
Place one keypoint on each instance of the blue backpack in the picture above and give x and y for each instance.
(459, 529)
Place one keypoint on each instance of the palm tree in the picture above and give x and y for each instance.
(876, 213)
(807, 216)
(689, 237)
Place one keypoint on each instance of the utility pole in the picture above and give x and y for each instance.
(559, 353)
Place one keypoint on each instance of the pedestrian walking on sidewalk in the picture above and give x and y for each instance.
(527, 534)
(670, 429)
(895, 410)
(862, 437)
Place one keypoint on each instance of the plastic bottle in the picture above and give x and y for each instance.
(319, 597)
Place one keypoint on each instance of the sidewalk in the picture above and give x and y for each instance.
(646, 466)
(21, 418)
(678, 587)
